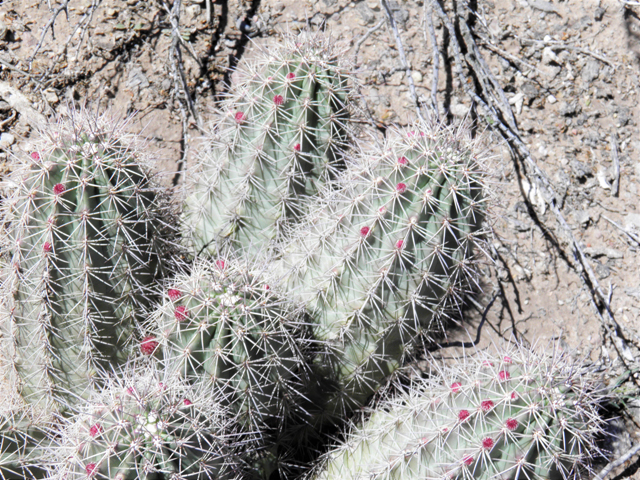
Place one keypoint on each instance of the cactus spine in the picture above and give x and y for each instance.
(146, 425)
(222, 326)
(85, 233)
(384, 257)
(280, 135)
(512, 413)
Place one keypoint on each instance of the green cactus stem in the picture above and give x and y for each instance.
(383, 259)
(149, 426)
(513, 413)
(85, 235)
(280, 135)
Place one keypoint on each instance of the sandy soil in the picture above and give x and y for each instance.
(569, 70)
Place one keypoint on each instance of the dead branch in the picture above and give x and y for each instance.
(403, 57)
(428, 24)
(533, 173)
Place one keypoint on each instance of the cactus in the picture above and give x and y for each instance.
(147, 425)
(512, 413)
(222, 326)
(84, 237)
(383, 259)
(22, 445)
(279, 136)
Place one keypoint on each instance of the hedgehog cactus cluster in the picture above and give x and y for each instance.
(301, 270)
(511, 413)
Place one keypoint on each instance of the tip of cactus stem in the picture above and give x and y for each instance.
(463, 415)
(46, 247)
(487, 443)
(174, 294)
(364, 231)
(399, 244)
(239, 117)
(291, 76)
(181, 313)
(511, 424)
(58, 189)
(91, 469)
(401, 187)
(455, 387)
(148, 345)
(467, 460)
(504, 375)
(95, 429)
(403, 161)
(486, 405)
(278, 100)
(296, 147)
(35, 155)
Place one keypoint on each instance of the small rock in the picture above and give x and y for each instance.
(368, 15)
(580, 170)
(373, 4)
(4, 31)
(590, 71)
(137, 79)
(5, 107)
(551, 99)
(6, 140)
(278, 7)
(582, 217)
(602, 271)
(459, 110)
(569, 109)
(603, 252)
(549, 57)
(602, 178)
(517, 100)
(529, 89)
(417, 76)
(598, 15)
(50, 96)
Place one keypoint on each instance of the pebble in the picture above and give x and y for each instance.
(6, 140)
(549, 56)
(590, 71)
(551, 99)
(417, 76)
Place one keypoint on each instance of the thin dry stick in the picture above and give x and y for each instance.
(615, 187)
(633, 237)
(428, 24)
(581, 264)
(403, 57)
(617, 463)
(488, 45)
(364, 37)
(49, 26)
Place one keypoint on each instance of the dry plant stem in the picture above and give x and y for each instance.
(615, 186)
(82, 26)
(364, 37)
(181, 89)
(535, 174)
(403, 57)
(489, 46)
(633, 237)
(428, 24)
(617, 463)
(49, 26)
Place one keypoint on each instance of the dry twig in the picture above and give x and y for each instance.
(364, 37)
(535, 175)
(403, 57)
(428, 24)
(615, 186)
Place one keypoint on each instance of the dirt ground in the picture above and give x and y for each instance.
(569, 71)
